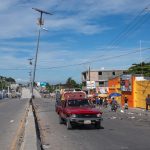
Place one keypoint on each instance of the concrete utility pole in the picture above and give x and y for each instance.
(89, 74)
(40, 23)
(30, 81)
(141, 59)
(30, 73)
(89, 71)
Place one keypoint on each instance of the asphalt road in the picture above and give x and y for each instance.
(11, 113)
(121, 131)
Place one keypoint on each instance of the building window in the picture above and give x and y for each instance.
(113, 73)
(100, 73)
(101, 83)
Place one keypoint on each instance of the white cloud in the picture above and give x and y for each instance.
(18, 21)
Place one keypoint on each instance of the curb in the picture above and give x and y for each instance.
(37, 126)
(30, 138)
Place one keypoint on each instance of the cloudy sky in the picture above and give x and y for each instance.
(81, 33)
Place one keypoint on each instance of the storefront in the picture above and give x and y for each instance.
(114, 87)
(133, 87)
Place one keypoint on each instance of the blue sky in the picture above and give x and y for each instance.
(79, 32)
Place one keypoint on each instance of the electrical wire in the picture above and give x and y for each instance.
(137, 21)
(79, 64)
(132, 26)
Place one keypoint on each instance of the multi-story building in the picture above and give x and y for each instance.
(100, 77)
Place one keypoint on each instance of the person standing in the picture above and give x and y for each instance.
(97, 101)
(105, 103)
(147, 101)
(101, 101)
(125, 103)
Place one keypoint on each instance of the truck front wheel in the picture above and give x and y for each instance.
(98, 125)
(68, 123)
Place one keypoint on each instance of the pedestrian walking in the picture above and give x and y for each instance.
(101, 101)
(125, 103)
(147, 101)
(114, 104)
(97, 101)
(105, 103)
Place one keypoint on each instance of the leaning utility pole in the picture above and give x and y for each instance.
(40, 23)
(30, 74)
(89, 74)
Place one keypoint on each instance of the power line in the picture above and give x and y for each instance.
(79, 64)
(130, 28)
(105, 58)
(134, 28)
(138, 20)
(132, 25)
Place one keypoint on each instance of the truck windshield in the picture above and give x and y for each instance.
(78, 103)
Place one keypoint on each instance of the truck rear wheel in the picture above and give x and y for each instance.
(98, 125)
(68, 123)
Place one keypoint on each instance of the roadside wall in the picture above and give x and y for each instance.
(129, 95)
(142, 89)
(114, 87)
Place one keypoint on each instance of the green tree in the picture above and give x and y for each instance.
(70, 83)
(11, 80)
(142, 68)
(4, 82)
(49, 88)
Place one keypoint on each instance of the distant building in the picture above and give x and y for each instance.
(100, 77)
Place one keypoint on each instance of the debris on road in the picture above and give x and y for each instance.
(11, 121)
(113, 117)
(121, 111)
(132, 117)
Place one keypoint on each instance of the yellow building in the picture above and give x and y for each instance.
(141, 90)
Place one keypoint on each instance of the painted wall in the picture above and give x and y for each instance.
(136, 97)
(142, 89)
(129, 95)
(114, 87)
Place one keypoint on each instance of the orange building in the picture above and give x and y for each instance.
(135, 88)
(114, 87)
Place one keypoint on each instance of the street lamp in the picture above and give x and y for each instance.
(40, 23)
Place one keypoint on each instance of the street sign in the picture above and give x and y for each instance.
(90, 84)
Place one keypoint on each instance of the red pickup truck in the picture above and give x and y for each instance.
(76, 109)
